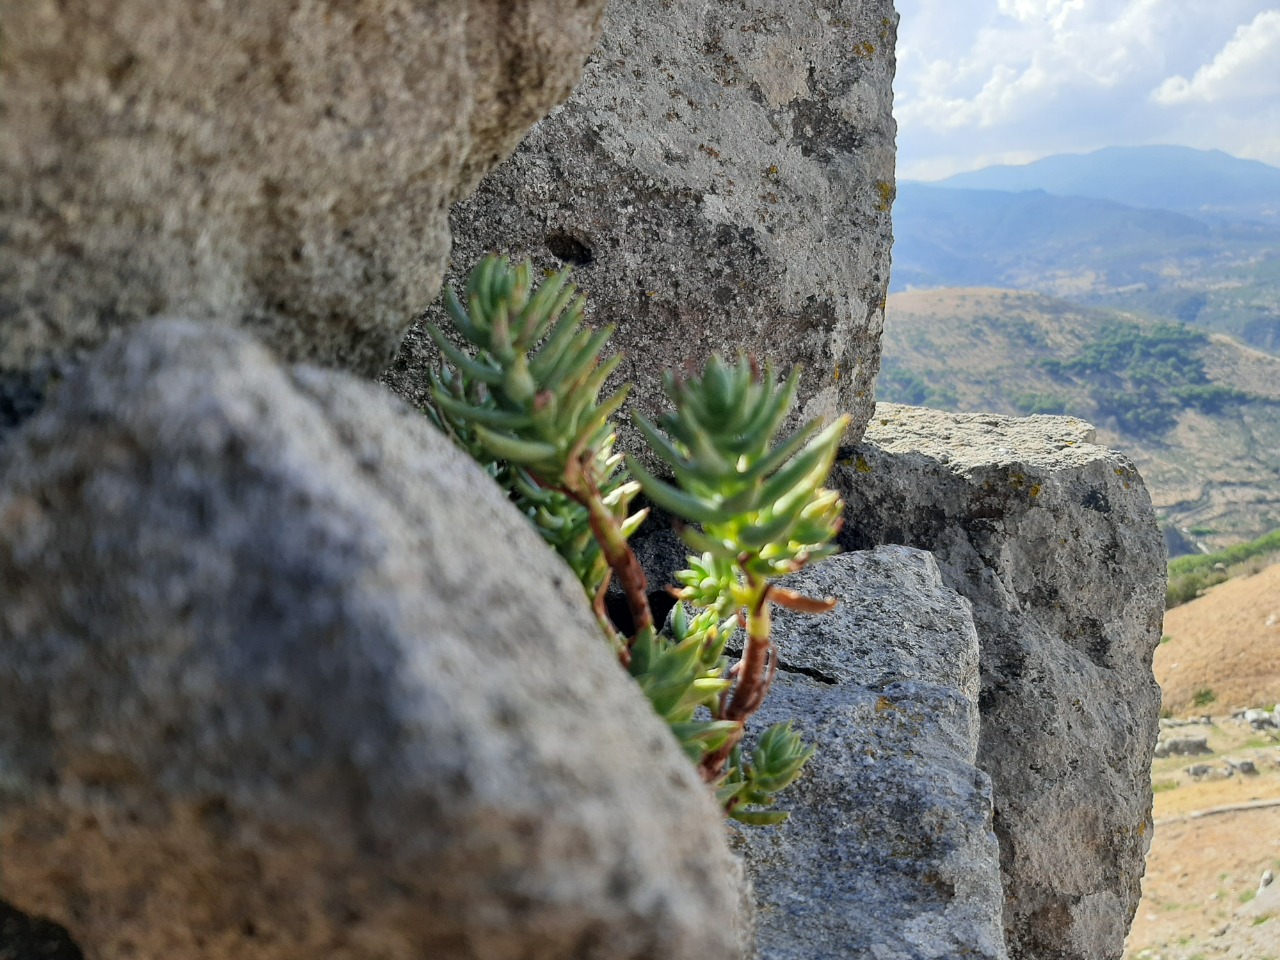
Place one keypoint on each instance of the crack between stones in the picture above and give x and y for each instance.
(783, 667)
(809, 672)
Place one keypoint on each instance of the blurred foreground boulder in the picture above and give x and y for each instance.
(287, 165)
(284, 676)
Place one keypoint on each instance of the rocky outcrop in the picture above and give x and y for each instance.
(284, 676)
(721, 180)
(285, 165)
(1054, 542)
(888, 852)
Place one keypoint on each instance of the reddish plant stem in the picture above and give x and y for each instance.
(606, 625)
(754, 674)
(712, 766)
(621, 559)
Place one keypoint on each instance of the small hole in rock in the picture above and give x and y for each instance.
(569, 249)
(660, 603)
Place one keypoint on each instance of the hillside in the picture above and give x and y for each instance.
(1220, 649)
(1198, 413)
(1217, 811)
(1207, 184)
(1221, 276)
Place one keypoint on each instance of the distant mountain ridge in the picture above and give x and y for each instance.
(1171, 237)
(1033, 239)
(1208, 184)
(1094, 246)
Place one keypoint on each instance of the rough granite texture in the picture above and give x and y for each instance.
(721, 180)
(284, 677)
(284, 164)
(888, 854)
(1053, 540)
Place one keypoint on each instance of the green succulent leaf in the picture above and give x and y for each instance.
(778, 758)
(529, 453)
(759, 818)
(673, 499)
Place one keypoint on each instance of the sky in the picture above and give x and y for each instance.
(1010, 81)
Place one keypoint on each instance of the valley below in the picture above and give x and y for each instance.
(1197, 412)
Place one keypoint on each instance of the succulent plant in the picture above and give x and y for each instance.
(523, 398)
(761, 509)
(528, 399)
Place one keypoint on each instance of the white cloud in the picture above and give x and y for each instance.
(982, 79)
(1247, 67)
(1054, 12)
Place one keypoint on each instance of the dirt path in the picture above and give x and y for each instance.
(1215, 836)
(1218, 811)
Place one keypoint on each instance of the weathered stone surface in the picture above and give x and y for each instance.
(285, 677)
(889, 852)
(1054, 542)
(721, 179)
(287, 164)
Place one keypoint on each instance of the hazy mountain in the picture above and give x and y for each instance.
(1208, 184)
(1198, 413)
(952, 237)
(1222, 276)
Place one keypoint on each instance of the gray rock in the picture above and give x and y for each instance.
(1182, 746)
(1260, 719)
(1246, 767)
(287, 164)
(1053, 540)
(33, 938)
(285, 677)
(889, 852)
(721, 179)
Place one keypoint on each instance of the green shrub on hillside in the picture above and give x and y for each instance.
(1191, 576)
(896, 385)
(1142, 377)
(1029, 404)
(1267, 543)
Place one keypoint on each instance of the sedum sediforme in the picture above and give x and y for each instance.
(524, 398)
(761, 512)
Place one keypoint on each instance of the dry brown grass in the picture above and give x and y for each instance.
(1226, 642)
(1200, 868)
(1198, 872)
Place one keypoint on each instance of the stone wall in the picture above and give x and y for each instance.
(282, 676)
